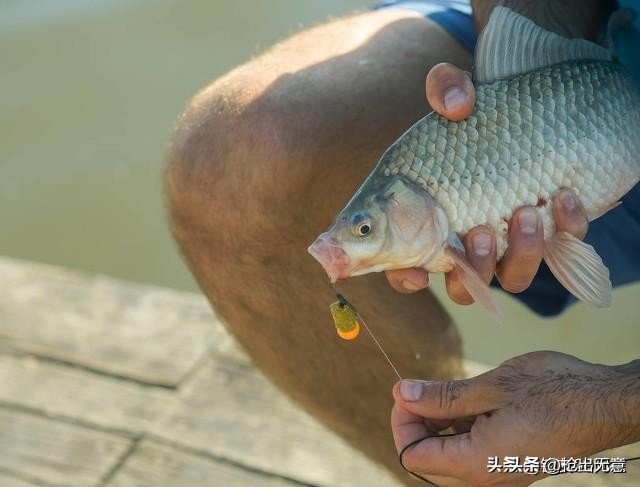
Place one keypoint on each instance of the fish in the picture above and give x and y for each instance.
(550, 113)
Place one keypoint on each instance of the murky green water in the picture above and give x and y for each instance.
(87, 101)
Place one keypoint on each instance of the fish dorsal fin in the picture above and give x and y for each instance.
(619, 21)
(511, 44)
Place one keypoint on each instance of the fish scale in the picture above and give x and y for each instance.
(575, 125)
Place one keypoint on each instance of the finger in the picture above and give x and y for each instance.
(408, 427)
(463, 425)
(447, 399)
(480, 245)
(408, 280)
(569, 214)
(450, 91)
(439, 455)
(455, 289)
(520, 263)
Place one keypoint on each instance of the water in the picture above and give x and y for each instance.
(90, 92)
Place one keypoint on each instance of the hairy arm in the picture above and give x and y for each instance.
(626, 402)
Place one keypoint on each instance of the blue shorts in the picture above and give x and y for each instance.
(615, 236)
(452, 15)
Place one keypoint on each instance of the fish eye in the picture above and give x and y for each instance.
(363, 229)
(361, 224)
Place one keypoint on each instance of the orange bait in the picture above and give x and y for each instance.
(345, 318)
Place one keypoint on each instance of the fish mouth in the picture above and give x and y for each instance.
(332, 257)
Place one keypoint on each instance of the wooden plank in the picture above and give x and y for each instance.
(229, 410)
(59, 390)
(54, 452)
(149, 334)
(7, 480)
(154, 465)
(233, 412)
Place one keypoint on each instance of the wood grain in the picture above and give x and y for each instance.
(148, 334)
(56, 453)
(58, 390)
(154, 465)
(233, 412)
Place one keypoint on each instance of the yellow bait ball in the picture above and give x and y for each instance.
(349, 335)
(345, 318)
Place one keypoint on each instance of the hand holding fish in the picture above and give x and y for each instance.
(450, 93)
(551, 114)
(524, 407)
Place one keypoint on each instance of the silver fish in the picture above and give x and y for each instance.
(551, 113)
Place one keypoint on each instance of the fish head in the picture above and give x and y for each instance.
(389, 224)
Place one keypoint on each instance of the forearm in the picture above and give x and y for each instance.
(625, 403)
(570, 18)
(608, 406)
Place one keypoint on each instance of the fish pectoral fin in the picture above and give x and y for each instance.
(601, 211)
(478, 289)
(579, 268)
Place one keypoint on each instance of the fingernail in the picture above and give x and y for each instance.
(567, 200)
(528, 221)
(410, 285)
(481, 243)
(411, 390)
(453, 98)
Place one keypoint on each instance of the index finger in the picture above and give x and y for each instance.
(434, 455)
(569, 214)
(408, 427)
(408, 280)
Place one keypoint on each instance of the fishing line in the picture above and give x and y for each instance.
(414, 443)
(420, 440)
(361, 320)
(375, 340)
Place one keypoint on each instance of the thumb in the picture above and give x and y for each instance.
(450, 91)
(447, 399)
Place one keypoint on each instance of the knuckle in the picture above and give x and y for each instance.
(447, 392)
(529, 251)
